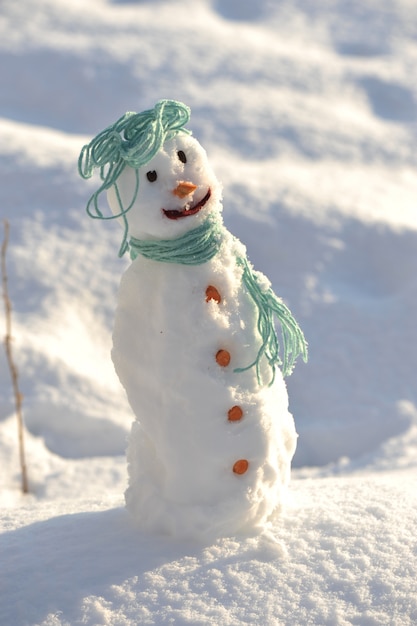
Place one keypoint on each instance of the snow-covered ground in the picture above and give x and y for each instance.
(308, 111)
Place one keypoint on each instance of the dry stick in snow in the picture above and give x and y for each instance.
(12, 367)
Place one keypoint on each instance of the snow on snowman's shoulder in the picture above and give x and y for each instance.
(263, 282)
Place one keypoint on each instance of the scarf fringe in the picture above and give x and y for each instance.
(268, 306)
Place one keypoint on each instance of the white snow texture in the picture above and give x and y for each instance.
(308, 113)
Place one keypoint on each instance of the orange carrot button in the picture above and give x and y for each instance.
(223, 358)
(213, 294)
(241, 466)
(235, 414)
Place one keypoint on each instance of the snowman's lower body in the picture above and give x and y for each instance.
(182, 475)
(211, 448)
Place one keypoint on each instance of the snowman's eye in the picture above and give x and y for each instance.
(152, 176)
(181, 156)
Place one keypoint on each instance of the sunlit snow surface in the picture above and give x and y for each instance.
(308, 112)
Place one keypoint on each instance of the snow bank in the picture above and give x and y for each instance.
(345, 556)
(308, 115)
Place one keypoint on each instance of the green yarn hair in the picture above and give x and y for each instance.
(133, 140)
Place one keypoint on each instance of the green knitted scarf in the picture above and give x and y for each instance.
(194, 247)
(201, 244)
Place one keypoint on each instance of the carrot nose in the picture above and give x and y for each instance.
(184, 189)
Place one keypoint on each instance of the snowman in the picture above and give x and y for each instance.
(194, 341)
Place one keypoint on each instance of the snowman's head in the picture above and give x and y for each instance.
(156, 176)
(173, 193)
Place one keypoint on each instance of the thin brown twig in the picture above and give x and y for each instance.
(13, 369)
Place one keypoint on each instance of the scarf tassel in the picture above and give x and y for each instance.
(268, 306)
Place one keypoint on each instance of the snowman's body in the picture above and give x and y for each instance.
(211, 448)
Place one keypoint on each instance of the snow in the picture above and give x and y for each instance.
(308, 113)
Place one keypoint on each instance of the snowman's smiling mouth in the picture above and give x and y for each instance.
(173, 214)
